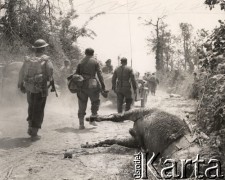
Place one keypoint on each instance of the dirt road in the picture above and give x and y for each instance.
(23, 159)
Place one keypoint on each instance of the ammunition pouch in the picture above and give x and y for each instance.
(93, 83)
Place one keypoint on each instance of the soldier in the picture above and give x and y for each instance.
(153, 82)
(91, 88)
(146, 78)
(108, 68)
(34, 75)
(65, 72)
(122, 79)
(66, 69)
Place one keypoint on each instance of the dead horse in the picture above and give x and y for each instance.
(153, 130)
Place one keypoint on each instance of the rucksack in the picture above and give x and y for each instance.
(35, 79)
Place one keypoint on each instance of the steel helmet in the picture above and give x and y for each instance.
(75, 82)
(40, 43)
(108, 61)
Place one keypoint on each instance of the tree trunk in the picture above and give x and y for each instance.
(12, 26)
(158, 64)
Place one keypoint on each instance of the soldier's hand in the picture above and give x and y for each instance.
(103, 87)
(52, 89)
(22, 89)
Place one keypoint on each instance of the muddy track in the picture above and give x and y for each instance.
(23, 159)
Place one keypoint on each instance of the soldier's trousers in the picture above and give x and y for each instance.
(36, 106)
(121, 95)
(83, 96)
(153, 88)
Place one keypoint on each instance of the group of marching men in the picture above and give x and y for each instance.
(36, 76)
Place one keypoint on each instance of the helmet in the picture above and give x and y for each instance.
(40, 43)
(108, 61)
(75, 82)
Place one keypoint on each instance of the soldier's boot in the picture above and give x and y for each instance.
(81, 122)
(93, 119)
(29, 131)
(33, 132)
(128, 104)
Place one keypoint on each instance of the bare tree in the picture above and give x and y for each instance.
(158, 41)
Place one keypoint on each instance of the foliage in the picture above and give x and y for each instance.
(174, 52)
(212, 3)
(69, 33)
(211, 107)
(212, 56)
(157, 42)
(186, 33)
(25, 21)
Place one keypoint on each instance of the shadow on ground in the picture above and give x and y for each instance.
(72, 130)
(11, 143)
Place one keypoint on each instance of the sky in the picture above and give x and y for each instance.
(120, 32)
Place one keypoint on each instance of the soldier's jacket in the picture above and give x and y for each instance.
(107, 69)
(88, 68)
(123, 77)
(152, 80)
(35, 73)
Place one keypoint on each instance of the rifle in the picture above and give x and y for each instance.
(53, 89)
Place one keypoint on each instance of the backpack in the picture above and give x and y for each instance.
(35, 79)
(75, 82)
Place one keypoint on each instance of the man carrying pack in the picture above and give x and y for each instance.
(153, 82)
(34, 75)
(91, 88)
(122, 79)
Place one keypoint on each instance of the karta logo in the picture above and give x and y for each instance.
(169, 170)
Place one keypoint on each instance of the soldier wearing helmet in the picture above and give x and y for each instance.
(108, 68)
(88, 68)
(34, 76)
(122, 80)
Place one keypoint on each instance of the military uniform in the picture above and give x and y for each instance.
(36, 97)
(88, 68)
(122, 79)
(107, 69)
(34, 75)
